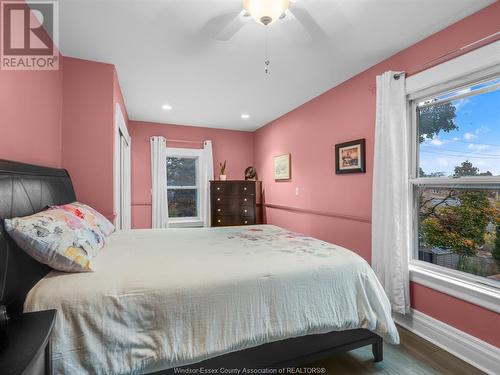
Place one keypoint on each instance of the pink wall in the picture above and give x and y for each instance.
(344, 113)
(235, 146)
(64, 118)
(30, 116)
(467, 317)
(51, 118)
(88, 131)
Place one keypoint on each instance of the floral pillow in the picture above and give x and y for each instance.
(57, 238)
(95, 219)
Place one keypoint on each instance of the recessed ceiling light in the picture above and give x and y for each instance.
(166, 107)
(245, 116)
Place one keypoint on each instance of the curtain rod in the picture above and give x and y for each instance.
(183, 141)
(471, 46)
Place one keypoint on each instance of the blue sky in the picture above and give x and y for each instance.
(477, 138)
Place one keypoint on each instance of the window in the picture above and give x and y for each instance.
(455, 178)
(183, 186)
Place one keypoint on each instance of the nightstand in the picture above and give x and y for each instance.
(28, 350)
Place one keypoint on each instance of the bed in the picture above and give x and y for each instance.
(255, 297)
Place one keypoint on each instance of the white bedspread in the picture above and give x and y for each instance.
(165, 298)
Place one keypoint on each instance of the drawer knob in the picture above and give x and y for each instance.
(218, 188)
(246, 222)
(245, 188)
(218, 221)
(245, 199)
(246, 210)
(218, 199)
(218, 209)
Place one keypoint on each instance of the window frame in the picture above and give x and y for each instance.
(472, 288)
(188, 153)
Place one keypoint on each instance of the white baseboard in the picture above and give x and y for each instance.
(470, 349)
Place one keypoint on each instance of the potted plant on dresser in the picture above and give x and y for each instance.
(222, 174)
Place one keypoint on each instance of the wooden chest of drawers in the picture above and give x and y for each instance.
(235, 203)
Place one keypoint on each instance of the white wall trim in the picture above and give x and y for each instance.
(120, 123)
(184, 152)
(120, 191)
(185, 223)
(470, 349)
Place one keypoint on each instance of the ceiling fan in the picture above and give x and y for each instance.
(267, 12)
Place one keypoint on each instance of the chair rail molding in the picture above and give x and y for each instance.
(319, 213)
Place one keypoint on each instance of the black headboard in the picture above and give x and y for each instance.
(24, 190)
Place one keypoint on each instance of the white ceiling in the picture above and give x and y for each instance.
(163, 54)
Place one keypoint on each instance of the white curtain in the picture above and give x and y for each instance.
(391, 203)
(159, 204)
(207, 174)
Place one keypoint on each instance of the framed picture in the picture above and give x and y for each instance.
(282, 167)
(350, 157)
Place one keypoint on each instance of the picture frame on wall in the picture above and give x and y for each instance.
(282, 167)
(350, 157)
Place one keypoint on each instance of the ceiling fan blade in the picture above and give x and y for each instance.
(295, 30)
(314, 30)
(223, 26)
(232, 27)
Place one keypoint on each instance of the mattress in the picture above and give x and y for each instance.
(165, 298)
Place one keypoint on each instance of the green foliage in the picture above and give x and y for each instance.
(466, 169)
(433, 119)
(181, 171)
(495, 253)
(421, 173)
(496, 250)
(461, 227)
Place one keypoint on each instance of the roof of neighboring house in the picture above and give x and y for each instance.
(437, 251)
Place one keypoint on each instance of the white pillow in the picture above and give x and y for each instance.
(57, 238)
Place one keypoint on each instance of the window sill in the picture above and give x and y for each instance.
(185, 223)
(444, 281)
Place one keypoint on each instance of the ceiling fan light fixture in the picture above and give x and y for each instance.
(266, 12)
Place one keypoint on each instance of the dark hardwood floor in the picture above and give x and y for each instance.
(414, 356)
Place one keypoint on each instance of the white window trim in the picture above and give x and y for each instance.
(457, 69)
(119, 190)
(459, 286)
(188, 222)
(481, 63)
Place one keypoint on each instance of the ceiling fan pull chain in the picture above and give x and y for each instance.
(266, 61)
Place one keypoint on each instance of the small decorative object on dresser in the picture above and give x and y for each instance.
(27, 350)
(282, 167)
(235, 203)
(222, 174)
(251, 174)
(350, 157)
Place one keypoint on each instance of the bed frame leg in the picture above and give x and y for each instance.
(378, 350)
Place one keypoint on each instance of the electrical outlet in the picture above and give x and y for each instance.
(296, 191)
